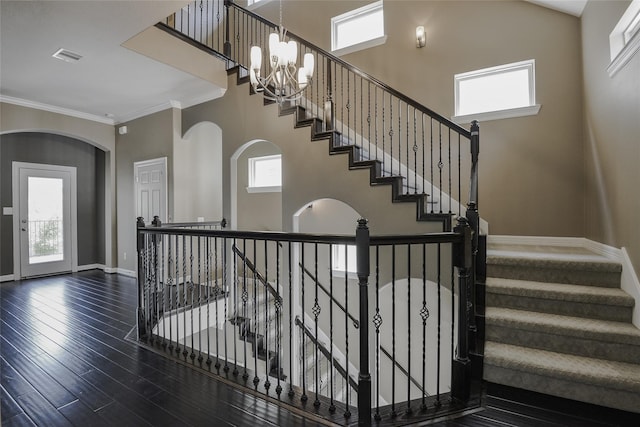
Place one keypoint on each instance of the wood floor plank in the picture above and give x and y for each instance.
(65, 335)
(41, 411)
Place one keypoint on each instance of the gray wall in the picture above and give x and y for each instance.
(531, 168)
(612, 126)
(63, 151)
(149, 137)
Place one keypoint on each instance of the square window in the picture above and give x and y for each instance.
(497, 92)
(265, 173)
(358, 29)
(624, 41)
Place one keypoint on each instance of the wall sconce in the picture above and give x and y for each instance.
(421, 36)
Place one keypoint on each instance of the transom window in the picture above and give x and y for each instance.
(265, 173)
(358, 29)
(624, 40)
(503, 91)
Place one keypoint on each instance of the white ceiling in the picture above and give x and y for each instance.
(110, 83)
(109, 79)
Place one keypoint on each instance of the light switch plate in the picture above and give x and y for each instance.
(7, 210)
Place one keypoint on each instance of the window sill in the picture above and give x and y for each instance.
(360, 46)
(625, 55)
(500, 114)
(340, 274)
(275, 189)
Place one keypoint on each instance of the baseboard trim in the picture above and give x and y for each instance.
(606, 251)
(7, 278)
(124, 272)
(91, 267)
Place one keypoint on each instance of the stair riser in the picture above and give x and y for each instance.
(567, 308)
(553, 275)
(564, 343)
(627, 401)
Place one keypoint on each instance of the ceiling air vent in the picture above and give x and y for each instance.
(67, 55)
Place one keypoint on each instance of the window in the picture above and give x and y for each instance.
(497, 92)
(252, 4)
(624, 40)
(344, 261)
(265, 174)
(358, 29)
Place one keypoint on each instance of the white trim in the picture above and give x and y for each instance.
(6, 278)
(601, 249)
(55, 109)
(86, 267)
(621, 50)
(360, 46)
(531, 110)
(273, 189)
(123, 271)
(256, 4)
(625, 55)
(159, 161)
(630, 284)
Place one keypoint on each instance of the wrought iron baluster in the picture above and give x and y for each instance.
(200, 357)
(245, 298)
(193, 291)
(255, 326)
(217, 298)
(409, 410)
(290, 393)
(235, 309)
(209, 283)
(377, 322)
(303, 340)
(316, 312)
(424, 313)
(393, 331)
(267, 383)
(347, 412)
(332, 406)
(438, 403)
(278, 303)
(225, 294)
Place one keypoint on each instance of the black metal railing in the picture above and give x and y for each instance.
(330, 379)
(239, 328)
(402, 137)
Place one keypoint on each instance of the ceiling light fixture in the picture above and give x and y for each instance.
(67, 55)
(281, 84)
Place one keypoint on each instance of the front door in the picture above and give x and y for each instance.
(45, 210)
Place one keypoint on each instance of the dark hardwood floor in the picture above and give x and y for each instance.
(65, 361)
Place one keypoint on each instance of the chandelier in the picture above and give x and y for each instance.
(286, 81)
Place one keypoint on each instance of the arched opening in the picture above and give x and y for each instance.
(94, 191)
(259, 210)
(197, 173)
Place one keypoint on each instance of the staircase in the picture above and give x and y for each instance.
(558, 323)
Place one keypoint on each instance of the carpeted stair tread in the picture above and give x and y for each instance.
(575, 327)
(559, 291)
(558, 262)
(577, 369)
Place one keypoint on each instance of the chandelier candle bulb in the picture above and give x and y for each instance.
(256, 59)
(292, 50)
(309, 64)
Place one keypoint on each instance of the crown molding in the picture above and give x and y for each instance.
(56, 109)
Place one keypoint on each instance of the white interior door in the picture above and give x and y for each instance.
(151, 189)
(45, 218)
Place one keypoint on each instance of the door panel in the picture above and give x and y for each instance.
(45, 221)
(151, 189)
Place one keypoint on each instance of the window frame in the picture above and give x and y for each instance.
(251, 166)
(351, 15)
(337, 268)
(254, 4)
(526, 110)
(624, 40)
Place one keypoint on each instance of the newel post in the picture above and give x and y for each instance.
(463, 261)
(474, 222)
(364, 376)
(141, 273)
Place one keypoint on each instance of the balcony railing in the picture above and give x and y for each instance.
(240, 317)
